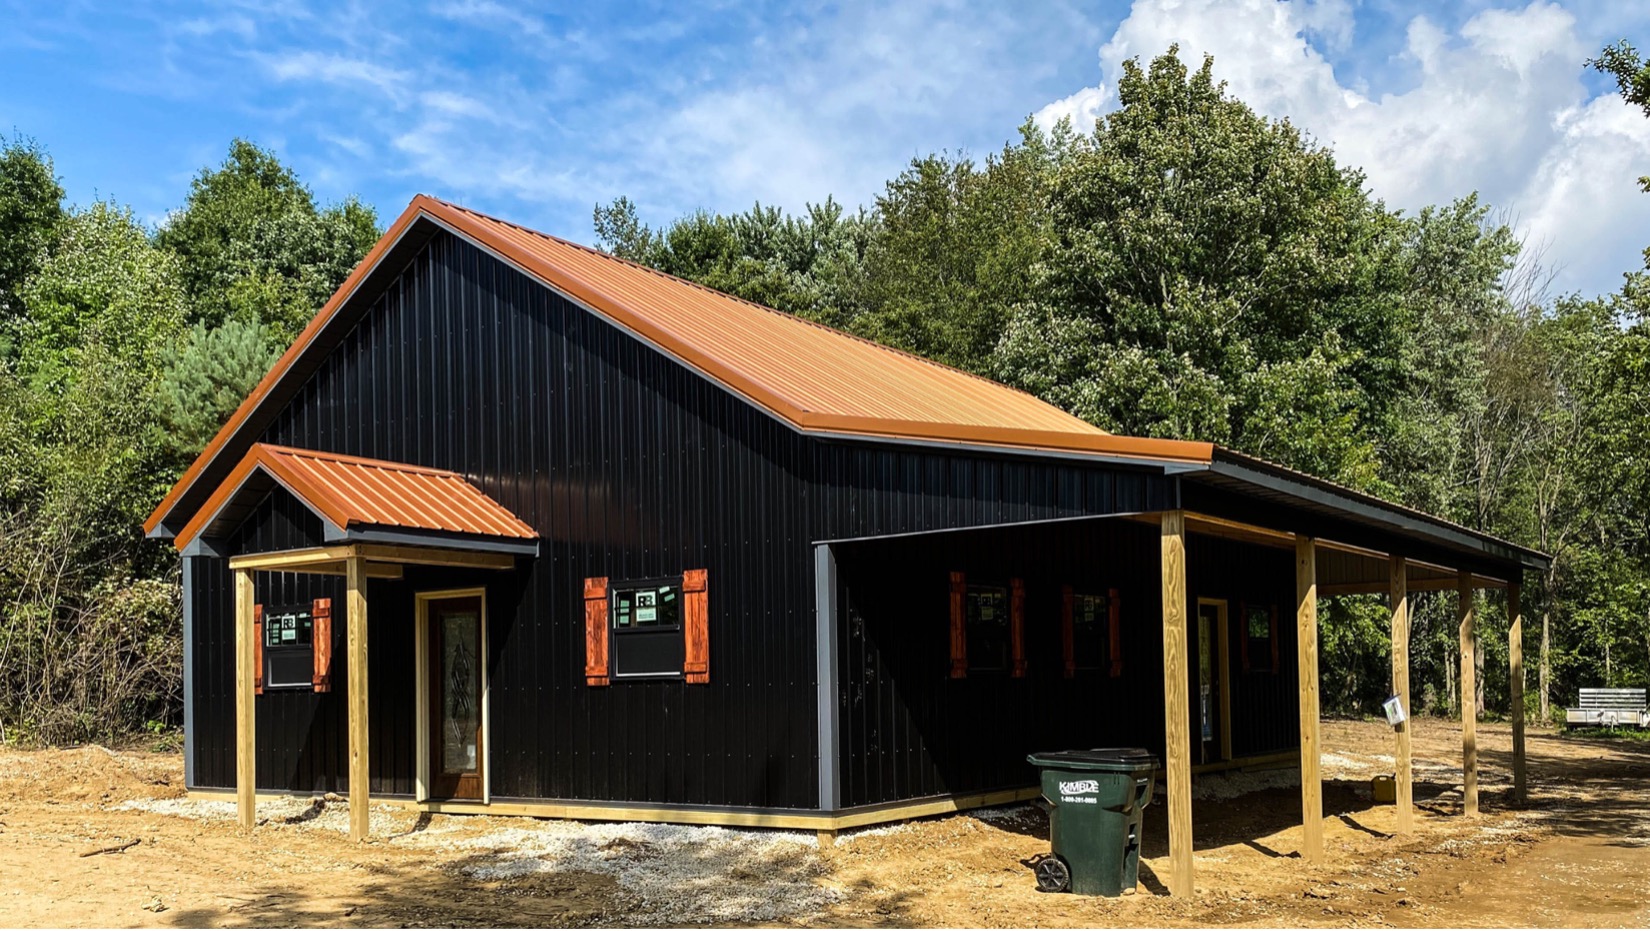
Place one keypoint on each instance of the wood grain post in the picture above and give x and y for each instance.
(1469, 699)
(360, 806)
(246, 716)
(1177, 713)
(1403, 765)
(1306, 641)
(1515, 686)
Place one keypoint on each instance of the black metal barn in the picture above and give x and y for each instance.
(836, 565)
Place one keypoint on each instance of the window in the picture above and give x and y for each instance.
(1090, 631)
(1260, 638)
(288, 647)
(988, 628)
(647, 628)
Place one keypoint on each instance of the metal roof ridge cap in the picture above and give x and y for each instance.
(365, 461)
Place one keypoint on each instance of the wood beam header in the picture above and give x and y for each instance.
(383, 560)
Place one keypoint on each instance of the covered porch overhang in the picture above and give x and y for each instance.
(357, 562)
(378, 518)
(1342, 543)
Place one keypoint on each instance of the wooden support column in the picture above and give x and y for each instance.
(1403, 766)
(1469, 700)
(1306, 641)
(359, 804)
(1177, 711)
(246, 718)
(1515, 686)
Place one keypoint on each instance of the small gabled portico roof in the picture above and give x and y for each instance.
(360, 498)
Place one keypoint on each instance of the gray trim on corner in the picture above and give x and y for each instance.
(417, 538)
(188, 583)
(825, 626)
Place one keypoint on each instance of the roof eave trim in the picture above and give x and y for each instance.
(1399, 518)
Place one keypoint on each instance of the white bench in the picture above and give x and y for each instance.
(1610, 708)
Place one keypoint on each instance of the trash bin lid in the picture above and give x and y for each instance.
(1110, 759)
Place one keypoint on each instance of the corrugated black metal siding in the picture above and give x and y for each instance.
(909, 730)
(630, 466)
(1265, 704)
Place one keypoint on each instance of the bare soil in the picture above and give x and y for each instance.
(1577, 855)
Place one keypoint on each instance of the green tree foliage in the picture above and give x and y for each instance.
(104, 393)
(31, 208)
(90, 645)
(807, 265)
(253, 244)
(208, 379)
(954, 248)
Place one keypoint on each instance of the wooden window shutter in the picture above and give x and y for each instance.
(1274, 632)
(1243, 635)
(595, 631)
(959, 625)
(257, 649)
(1017, 626)
(696, 625)
(321, 639)
(1068, 635)
(1114, 626)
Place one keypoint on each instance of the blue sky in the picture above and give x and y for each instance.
(537, 112)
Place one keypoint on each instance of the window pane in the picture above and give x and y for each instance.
(651, 607)
(1090, 630)
(647, 630)
(988, 631)
(1260, 623)
(288, 629)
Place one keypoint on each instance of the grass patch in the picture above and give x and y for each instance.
(1634, 734)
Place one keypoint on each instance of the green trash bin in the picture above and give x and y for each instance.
(1096, 799)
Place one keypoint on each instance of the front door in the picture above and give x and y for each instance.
(1212, 700)
(454, 675)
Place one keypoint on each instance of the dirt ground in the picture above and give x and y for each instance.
(1577, 855)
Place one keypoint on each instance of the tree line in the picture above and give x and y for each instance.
(122, 349)
(1188, 268)
(1183, 268)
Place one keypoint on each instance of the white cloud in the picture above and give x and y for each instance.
(1497, 106)
(1083, 108)
(328, 68)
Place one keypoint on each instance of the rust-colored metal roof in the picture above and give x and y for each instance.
(350, 491)
(817, 379)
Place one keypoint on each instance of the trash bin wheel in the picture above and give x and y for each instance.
(1053, 875)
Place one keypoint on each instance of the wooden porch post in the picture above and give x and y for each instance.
(1402, 763)
(1177, 725)
(1515, 685)
(1469, 699)
(246, 718)
(1306, 638)
(359, 803)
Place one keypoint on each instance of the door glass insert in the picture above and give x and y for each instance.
(460, 691)
(1208, 619)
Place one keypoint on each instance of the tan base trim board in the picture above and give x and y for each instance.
(739, 819)
(798, 821)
